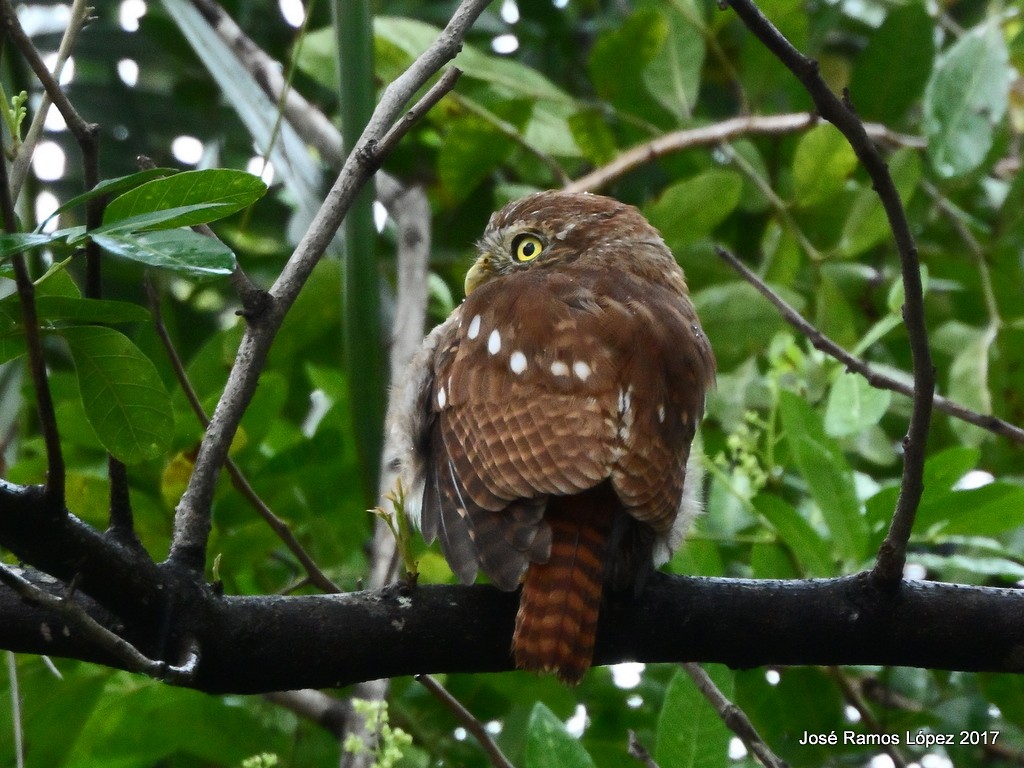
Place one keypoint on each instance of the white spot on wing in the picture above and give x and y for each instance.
(582, 370)
(558, 368)
(474, 327)
(442, 398)
(494, 342)
(517, 362)
(661, 414)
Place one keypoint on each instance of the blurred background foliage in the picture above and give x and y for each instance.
(802, 458)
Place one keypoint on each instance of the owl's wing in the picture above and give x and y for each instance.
(470, 535)
(549, 384)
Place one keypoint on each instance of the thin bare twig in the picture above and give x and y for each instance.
(892, 555)
(638, 751)
(426, 102)
(733, 717)
(192, 517)
(238, 478)
(127, 654)
(715, 134)
(877, 379)
(316, 706)
(33, 342)
(867, 717)
(16, 721)
(78, 18)
(79, 128)
(469, 722)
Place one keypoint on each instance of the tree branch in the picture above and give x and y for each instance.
(469, 722)
(238, 479)
(192, 523)
(853, 363)
(734, 718)
(712, 135)
(78, 18)
(55, 478)
(269, 643)
(892, 554)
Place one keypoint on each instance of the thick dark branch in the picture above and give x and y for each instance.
(892, 554)
(259, 644)
(119, 575)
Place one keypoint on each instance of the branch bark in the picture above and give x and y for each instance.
(271, 643)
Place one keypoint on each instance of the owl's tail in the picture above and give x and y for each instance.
(557, 620)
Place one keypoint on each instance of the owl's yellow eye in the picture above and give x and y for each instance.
(526, 248)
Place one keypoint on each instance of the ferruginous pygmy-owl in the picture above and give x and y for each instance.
(547, 423)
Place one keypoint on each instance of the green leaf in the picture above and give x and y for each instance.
(822, 162)
(966, 98)
(293, 163)
(592, 135)
(944, 470)
(12, 345)
(990, 510)
(75, 310)
(55, 711)
(622, 54)
(804, 698)
(180, 250)
(673, 76)
(111, 187)
(12, 243)
(549, 745)
(867, 225)
(822, 465)
(223, 190)
(738, 320)
(124, 398)
(690, 732)
(969, 383)
(169, 218)
(690, 210)
(854, 405)
(981, 567)
(892, 70)
(471, 151)
(807, 545)
(399, 40)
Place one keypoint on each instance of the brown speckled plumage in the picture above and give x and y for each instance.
(549, 419)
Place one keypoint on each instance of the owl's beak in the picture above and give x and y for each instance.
(479, 273)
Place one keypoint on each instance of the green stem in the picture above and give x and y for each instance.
(361, 323)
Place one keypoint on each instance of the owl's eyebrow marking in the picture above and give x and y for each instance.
(494, 342)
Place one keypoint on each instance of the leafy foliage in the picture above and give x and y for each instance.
(802, 467)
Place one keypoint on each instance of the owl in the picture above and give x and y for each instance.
(545, 427)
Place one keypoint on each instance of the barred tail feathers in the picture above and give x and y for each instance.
(561, 598)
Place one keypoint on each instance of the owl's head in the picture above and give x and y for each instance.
(550, 229)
